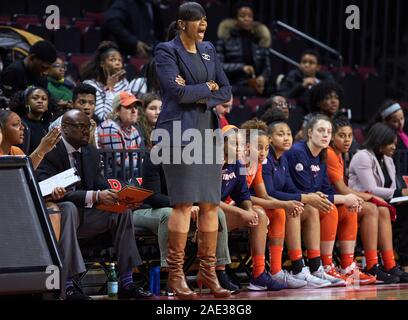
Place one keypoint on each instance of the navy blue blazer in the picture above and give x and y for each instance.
(179, 102)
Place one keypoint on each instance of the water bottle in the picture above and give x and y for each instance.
(154, 280)
(112, 282)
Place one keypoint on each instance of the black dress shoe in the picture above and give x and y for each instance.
(397, 271)
(76, 294)
(226, 283)
(133, 292)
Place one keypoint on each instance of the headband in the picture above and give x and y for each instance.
(390, 110)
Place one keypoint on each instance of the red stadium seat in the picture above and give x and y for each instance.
(138, 63)
(97, 17)
(254, 103)
(5, 19)
(83, 23)
(23, 20)
(79, 59)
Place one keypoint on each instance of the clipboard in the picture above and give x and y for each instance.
(128, 195)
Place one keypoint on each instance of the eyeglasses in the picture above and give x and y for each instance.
(80, 126)
(59, 65)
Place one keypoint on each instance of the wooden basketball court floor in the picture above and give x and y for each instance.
(370, 292)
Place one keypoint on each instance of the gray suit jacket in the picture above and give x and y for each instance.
(365, 174)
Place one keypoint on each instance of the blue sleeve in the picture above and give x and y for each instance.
(167, 71)
(240, 192)
(299, 170)
(326, 185)
(224, 93)
(267, 175)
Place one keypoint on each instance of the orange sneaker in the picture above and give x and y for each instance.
(332, 271)
(354, 275)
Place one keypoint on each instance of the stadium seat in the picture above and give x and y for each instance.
(68, 39)
(78, 59)
(92, 36)
(97, 17)
(4, 19)
(23, 20)
(138, 64)
(254, 103)
(82, 23)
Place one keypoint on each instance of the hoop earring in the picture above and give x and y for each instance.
(29, 108)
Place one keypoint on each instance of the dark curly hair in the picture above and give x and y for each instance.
(320, 91)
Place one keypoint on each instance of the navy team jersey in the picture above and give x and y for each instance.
(234, 184)
(277, 179)
(309, 173)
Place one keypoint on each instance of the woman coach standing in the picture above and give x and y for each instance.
(192, 83)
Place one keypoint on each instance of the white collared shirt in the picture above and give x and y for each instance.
(70, 150)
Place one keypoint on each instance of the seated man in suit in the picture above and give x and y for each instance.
(73, 151)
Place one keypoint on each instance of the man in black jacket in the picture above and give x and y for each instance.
(135, 25)
(29, 71)
(155, 212)
(75, 152)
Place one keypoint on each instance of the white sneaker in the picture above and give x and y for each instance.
(288, 280)
(311, 280)
(335, 282)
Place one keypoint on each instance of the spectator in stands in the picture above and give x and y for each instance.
(374, 218)
(325, 98)
(30, 71)
(148, 115)
(392, 114)
(222, 110)
(372, 170)
(105, 72)
(148, 82)
(59, 87)
(135, 25)
(84, 98)
(63, 216)
(298, 82)
(155, 215)
(36, 118)
(242, 47)
(274, 102)
(120, 132)
(75, 152)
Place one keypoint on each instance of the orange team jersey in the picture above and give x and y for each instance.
(335, 166)
(254, 175)
(15, 151)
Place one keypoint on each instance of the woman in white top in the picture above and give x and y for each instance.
(105, 72)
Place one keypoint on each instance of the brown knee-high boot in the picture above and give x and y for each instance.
(175, 259)
(207, 242)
